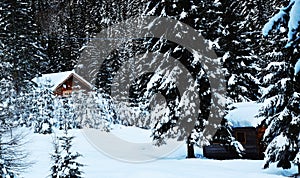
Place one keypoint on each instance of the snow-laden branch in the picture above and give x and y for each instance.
(294, 21)
(274, 22)
(288, 16)
(297, 67)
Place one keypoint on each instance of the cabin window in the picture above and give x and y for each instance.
(67, 92)
(241, 137)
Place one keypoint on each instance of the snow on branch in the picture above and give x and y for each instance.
(297, 67)
(294, 20)
(274, 22)
(290, 13)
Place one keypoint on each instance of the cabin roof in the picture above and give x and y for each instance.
(56, 79)
(244, 114)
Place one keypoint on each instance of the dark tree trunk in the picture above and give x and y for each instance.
(190, 151)
(298, 169)
(190, 148)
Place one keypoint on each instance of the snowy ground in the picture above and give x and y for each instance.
(98, 164)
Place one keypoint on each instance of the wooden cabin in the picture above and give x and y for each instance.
(63, 83)
(247, 129)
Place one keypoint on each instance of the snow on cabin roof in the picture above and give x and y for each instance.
(244, 114)
(57, 78)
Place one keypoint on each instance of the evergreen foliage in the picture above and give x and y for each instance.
(45, 104)
(257, 45)
(20, 47)
(65, 160)
(281, 91)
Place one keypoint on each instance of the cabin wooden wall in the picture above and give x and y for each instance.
(249, 137)
(65, 86)
(78, 85)
(69, 85)
(250, 144)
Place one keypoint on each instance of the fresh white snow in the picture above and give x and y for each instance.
(54, 78)
(98, 164)
(294, 20)
(276, 18)
(244, 114)
(297, 67)
(292, 11)
(232, 79)
(183, 15)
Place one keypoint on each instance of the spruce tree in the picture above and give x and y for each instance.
(45, 104)
(65, 113)
(101, 112)
(7, 104)
(206, 18)
(91, 110)
(65, 160)
(81, 104)
(21, 47)
(281, 92)
(12, 156)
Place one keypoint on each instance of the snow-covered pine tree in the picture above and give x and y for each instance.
(65, 113)
(59, 114)
(102, 15)
(45, 104)
(81, 103)
(7, 104)
(28, 109)
(104, 112)
(20, 47)
(240, 48)
(55, 157)
(12, 155)
(71, 118)
(65, 160)
(235, 44)
(22, 54)
(228, 27)
(101, 111)
(206, 17)
(63, 27)
(92, 110)
(281, 93)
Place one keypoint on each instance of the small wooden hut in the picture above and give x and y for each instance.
(247, 129)
(63, 83)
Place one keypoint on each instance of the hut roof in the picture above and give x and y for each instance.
(244, 114)
(56, 79)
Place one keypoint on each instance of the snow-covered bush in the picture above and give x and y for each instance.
(45, 109)
(65, 163)
(12, 156)
(65, 115)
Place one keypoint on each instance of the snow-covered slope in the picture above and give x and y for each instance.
(174, 165)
